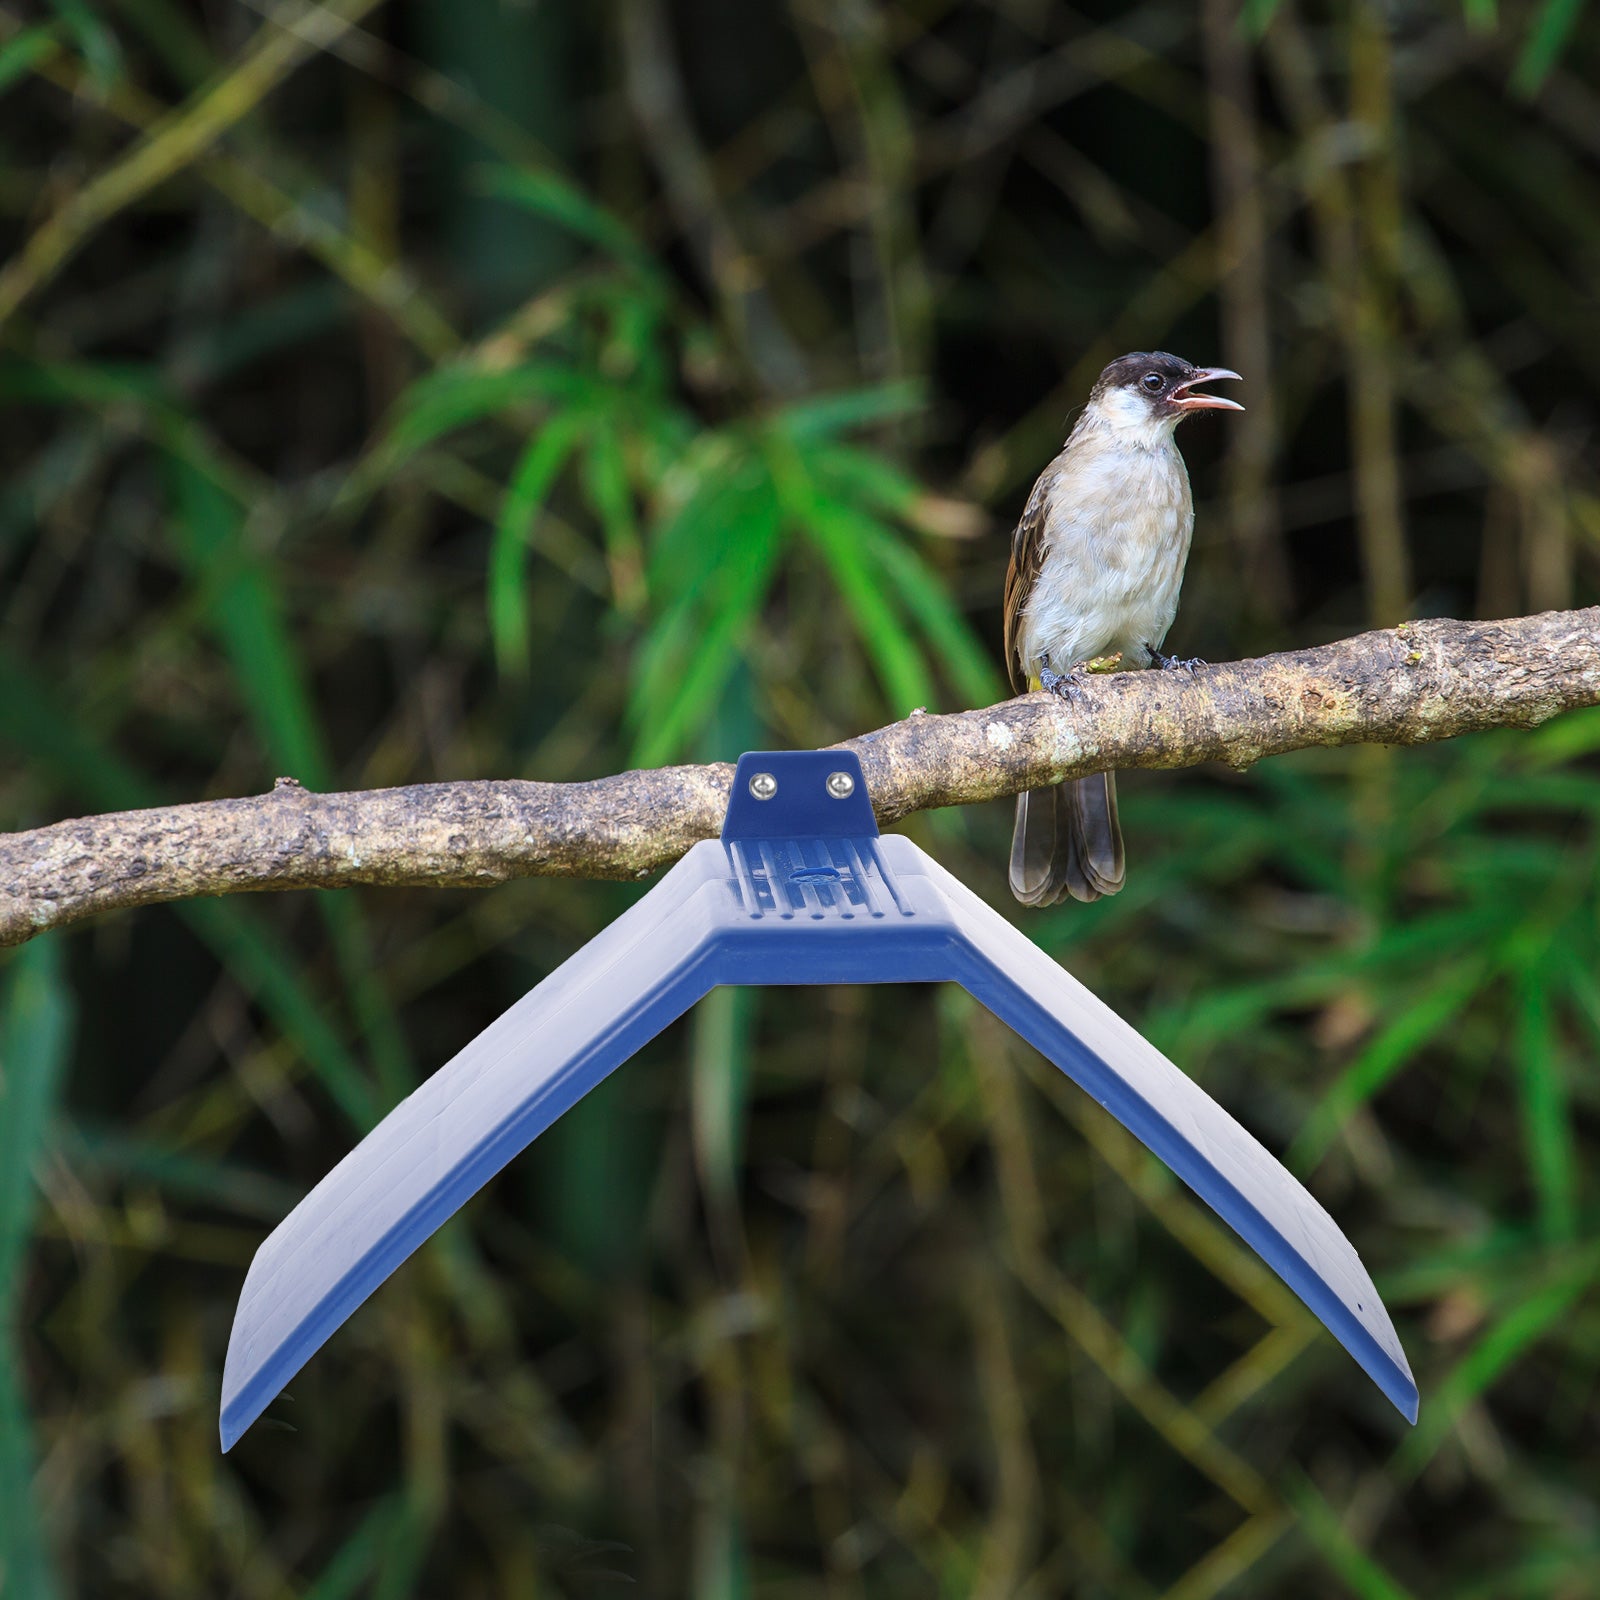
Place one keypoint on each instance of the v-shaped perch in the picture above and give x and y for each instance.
(801, 888)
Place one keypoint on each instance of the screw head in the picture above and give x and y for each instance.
(841, 785)
(763, 785)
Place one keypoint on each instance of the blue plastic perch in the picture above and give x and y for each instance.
(800, 889)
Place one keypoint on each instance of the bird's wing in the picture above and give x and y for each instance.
(1027, 555)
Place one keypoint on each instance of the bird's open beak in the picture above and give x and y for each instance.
(1182, 398)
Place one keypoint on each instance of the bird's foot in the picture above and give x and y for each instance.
(1174, 663)
(1068, 685)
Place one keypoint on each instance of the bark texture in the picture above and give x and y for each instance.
(1412, 684)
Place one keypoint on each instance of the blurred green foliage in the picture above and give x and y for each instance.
(410, 392)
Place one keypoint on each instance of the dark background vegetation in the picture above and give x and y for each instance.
(454, 388)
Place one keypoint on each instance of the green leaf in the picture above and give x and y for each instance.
(719, 1070)
(176, 38)
(246, 610)
(276, 325)
(36, 1027)
(530, 486)
(118, 389)
(403, 1555)
(562, 202)
(678, 691)
(694, 565)
(21, 53)
(1563, 738)
(91, 384)
(822, 417)
(606, 476)
(838, 532)
(969, 665)
(1200, 1021)
(185, 1174)
(1438, 1006)
(1547, 1120)
(1546, 40)
(362, 1554)
(25, 1562)
(269, 972)
(1527, 1318)
(873, 485)
(453, 397)
(1256, 15)
(721, 1564)
(1344, 1552)
(246, 613)
(856, 476)
(96, 43)
(698, 498)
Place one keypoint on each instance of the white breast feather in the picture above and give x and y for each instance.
(1116, 540)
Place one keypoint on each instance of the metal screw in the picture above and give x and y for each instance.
(763, 785)
(841, 785)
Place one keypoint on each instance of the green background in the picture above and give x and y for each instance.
(455, 389)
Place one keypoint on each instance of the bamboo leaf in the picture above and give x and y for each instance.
(1547, 1119)
(721, 1563)
(703, 494)
(1547, 38)
(1256, 15)
(36, 1027)
(453, 397)
(361, 1555)
(1417, 1025)
(95, 41)
(1344, 1551)
(25, 50)
(187, 1174)
(678, 697)
(247, 616)
(529, 488)
(838, 533)
(1523, 1321)
(824, 416)
(606, 475)
(719, 1066)
(563, 202)
(859, 477)
(970, 667)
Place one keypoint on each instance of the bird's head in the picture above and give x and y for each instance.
(1147, 394)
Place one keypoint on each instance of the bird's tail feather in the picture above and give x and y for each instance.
(1067, 842)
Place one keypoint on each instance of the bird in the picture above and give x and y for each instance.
(1097, 561)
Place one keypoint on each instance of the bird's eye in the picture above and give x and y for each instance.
(1153, 382)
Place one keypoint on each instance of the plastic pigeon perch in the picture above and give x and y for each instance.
(800, 889)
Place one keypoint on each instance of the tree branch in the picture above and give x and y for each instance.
(1408, 685)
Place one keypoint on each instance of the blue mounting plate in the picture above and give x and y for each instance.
(800, 889)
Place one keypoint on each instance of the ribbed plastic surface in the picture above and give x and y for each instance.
(800, 889)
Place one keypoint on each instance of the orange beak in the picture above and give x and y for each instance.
(1185, 401)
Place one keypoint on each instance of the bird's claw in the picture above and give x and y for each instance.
(1174, 663)
(1066, 685)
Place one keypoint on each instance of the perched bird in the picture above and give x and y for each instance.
(1096, 564)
